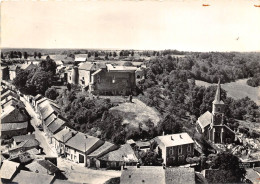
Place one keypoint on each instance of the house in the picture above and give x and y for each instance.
(175, 148)
(214, 129)
(8, 170)
(157, 175)
(13, 69)
(60, 138)
(79, 146)
(14, 120)
(43, 167)
(35, 99)
(28, 66)
(26, 177)
(85, 70)
(10, 100)
(80, 59)
(4, 73)
(67, 60)
(24, 146)
(143, 145)
(92, 158)
(125, 155)
(21, 138)
(213, 175)
(114, 80)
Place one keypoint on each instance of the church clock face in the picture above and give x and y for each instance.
(218, 119)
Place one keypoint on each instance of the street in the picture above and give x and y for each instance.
(47, 148)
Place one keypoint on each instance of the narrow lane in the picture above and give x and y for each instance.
(47, 148)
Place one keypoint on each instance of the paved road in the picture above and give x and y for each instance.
(47, 148)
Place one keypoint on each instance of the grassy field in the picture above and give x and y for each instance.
(237, 90)
(135, 113)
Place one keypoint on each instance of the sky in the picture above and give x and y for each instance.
(225, 25)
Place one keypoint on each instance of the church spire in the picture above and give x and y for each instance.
(217, 99)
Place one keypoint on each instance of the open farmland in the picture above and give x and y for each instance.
(237, 90)
(135, 113)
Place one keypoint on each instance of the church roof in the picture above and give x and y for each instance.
(204, 120)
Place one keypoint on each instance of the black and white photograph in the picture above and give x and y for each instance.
(130, 91)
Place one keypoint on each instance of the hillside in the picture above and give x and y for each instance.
(237, 90)
(135, 113)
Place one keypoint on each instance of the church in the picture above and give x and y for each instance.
(212, 126)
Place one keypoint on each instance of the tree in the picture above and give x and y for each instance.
(2, 55)
(48, 65)
(39, 55)
(40, 81)
(35, 55)
(231, 164)
(114, 54)
(25, 55)
(89, 55)
(20, 79)
(19, 54)
(51, 93)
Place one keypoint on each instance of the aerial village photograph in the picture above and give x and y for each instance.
(130, 92)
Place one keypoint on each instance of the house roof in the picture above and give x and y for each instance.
(125, 154)
(13, 102)
(50, 119)
(107, 146)
(80, 59)
(56, 125)
(41, 166)
(157, 175)
(8, 169)
(114, 68)
(28, 66)
(6, 111)
(65, 134)
(25, 177)
(143, 144)
(29, 143)
(13, 67)
(96, 72)
(13, 126)
(217, 99)
(22, 138)
(174, 139)
(33, 151)
(180, 175)
(144, 174)
(37, 97)
(204, 120)
(47, 108)
(82, 142)
(91, 66)
(9, 93)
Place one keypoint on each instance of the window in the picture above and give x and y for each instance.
(189, 148)
(218, 109)
(138, 77)
(70, 78)
(171, 151)
(180, 150)
(82, 78)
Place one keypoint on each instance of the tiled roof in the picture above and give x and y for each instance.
(50, 119)
(143, 144)
(180, 175)
(91, 66)
(125, 154)
(144, 174)
(25, 177)
(65, 134)
(107, 146)
(22, 138)
(80, 59)
(205, 119)
(8, 169)
(29, 143)
(9, 93)
(42, 166)
(13, 67)
(48, 165)
(174, 139)
(13, 126)
(157, 175)
(11, 114)
(82, 142)
(37, 97)
(47, 109)
(56, 125)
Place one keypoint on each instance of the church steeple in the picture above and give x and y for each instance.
(217, 99)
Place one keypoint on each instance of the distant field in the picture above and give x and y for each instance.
(237, 90)
(136, 112)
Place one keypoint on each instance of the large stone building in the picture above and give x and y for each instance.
(113, 80)
(175, 148)
(212, 124)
